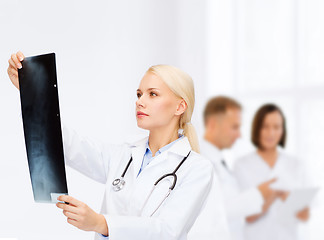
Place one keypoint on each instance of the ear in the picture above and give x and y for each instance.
(181, 108)
(213, 121)
(210, 122)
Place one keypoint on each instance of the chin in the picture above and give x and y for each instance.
(143, 126)
(269, 147)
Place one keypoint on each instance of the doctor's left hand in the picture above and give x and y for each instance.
(81, 216)
(303, 215)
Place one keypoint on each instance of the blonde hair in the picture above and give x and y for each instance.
(182, 86)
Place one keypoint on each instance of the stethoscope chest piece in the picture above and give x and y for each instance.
(118, 184)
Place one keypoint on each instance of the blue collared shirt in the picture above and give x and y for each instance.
(148, 153)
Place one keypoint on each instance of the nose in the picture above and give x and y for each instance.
(271, 132)
(238, 134)
(139, 103)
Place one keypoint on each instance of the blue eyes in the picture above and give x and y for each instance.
(152, 94)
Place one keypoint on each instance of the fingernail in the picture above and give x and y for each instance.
(19, 66)
(21, 58)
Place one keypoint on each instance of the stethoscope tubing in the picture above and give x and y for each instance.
(173, 174)
(127, 166)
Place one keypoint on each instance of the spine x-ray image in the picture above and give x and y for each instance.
(42, 127)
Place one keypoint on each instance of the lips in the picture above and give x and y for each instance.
(140, 114)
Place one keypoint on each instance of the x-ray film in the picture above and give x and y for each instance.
(42, 127)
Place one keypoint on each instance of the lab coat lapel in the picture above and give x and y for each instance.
(164, 163)
(212, 153)
(180, 148)
(138, 151)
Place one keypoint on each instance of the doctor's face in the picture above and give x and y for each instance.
(157, 106)
(271, 130)
(227, 128)
(231, 126)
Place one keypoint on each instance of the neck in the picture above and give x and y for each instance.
(159, 138)
(270, 156)
(212, 140)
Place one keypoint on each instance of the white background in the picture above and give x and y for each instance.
(255, 51)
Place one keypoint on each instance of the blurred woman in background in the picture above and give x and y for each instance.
(269, 160)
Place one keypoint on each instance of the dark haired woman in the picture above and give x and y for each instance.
(268, 161)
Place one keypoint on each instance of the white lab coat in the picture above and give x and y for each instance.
(211, 223)
(251, 170)
(122, 209)
(238, 204)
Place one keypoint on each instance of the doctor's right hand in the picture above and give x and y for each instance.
(269, 196)
(81, 216)
(14, 65)
(267, 192)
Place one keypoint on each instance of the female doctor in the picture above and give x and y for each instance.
(268, 161)
(136, 204)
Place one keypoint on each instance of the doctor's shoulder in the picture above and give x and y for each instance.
(294, 163)
(242, 165)
(245, 161)
(286, 155)
(199, 169)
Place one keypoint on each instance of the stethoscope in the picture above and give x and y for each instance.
(119, 183)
